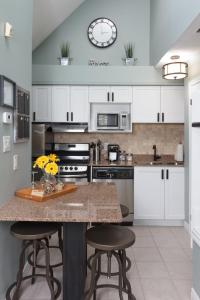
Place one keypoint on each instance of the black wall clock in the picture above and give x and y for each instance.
(102, 32)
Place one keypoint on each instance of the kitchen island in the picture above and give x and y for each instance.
(91, 202)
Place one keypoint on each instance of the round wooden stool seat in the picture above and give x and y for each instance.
(124, 210)
(108, 237)
(33, 230)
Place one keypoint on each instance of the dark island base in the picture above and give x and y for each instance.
(74, 261)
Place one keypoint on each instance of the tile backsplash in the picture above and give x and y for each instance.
(140, 141)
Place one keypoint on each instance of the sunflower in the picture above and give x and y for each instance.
(41, 161)
(51, 168)
(53, 158)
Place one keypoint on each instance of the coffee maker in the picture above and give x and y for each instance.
(113, 152)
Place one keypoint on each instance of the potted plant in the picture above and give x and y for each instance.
(65, 54)
(129, 60)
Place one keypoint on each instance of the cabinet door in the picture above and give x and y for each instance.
(195, 93)
(148, 193)
(172, 104)
(60, 104)
(146, 104)
(174, 193)
(99, 94)
(121, 94)
(42, 103)
(79, 107)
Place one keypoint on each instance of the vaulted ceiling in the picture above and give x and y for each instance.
(48, 15)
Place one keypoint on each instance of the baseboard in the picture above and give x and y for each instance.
(158, 222)
(194, 295)
(187, 226)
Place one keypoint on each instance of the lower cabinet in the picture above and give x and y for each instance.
(159, 193)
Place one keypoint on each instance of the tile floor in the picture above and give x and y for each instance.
(161, 267)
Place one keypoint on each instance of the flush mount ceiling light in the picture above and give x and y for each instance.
(175, 70)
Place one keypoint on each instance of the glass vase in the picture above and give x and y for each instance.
(48, 183)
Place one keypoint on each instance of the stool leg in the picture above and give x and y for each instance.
(48, 271)
(120, 275)
(60, 240)
(35, 252)
(109, 255)
(20, 272)
(97, 275)
(125, 280)
(91, 290)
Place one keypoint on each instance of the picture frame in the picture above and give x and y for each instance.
(7, 92)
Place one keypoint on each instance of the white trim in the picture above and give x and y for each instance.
(194, 295)
(143, 222)
(196, 235)
(187, 226)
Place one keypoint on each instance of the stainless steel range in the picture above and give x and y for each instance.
(74, 159)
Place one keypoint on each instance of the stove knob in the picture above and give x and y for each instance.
(76, 168)
(61, 168)
(71, 168)
(66, 168)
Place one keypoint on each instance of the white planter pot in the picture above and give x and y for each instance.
(129, 61)
(64, 61)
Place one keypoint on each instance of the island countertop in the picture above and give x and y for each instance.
(91, 202)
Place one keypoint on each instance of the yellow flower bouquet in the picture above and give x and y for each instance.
(48, 165)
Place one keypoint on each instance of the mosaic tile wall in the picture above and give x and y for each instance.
(140, 141)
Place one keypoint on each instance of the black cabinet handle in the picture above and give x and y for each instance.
(158, 117)
(108, 96)
(162, 174)
(34, 116)
(72, 117)
(112, 97)
(67, 116)
(163, 117)
(167, 174)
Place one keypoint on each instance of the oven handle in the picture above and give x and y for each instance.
(73, 176)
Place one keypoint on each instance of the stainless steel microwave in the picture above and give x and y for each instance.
(112, 121)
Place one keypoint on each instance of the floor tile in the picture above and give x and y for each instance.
(146, 254)
(183, 288)
(144, 241)
(188, 252)
(173, 254)
(165, 241)
(152, 270)
(141, 231)
(180, 270)
(159, 289)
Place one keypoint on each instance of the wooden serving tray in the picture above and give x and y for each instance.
(26, 193)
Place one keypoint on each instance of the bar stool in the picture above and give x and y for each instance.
(59, 246)
(113, 241)
(125, 213)
(34, 235)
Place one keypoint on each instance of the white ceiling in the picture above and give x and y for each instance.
(48, 15)
(187, 46)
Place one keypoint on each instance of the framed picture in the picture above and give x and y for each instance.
(7, 91)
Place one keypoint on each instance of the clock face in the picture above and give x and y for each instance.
(102, 32)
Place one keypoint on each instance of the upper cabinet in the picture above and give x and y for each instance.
(172, 104)
(42, 96)
(60, 103)
(155, 104)
(79, 106)
(110, 94)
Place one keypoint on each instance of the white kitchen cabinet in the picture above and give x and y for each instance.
(110, 94)
(79, 106)
(146, 104)
(148, 193)
(174, 194)
(42, 104)
(60, 103)
(155, 104)
(172, 104)
(159, 193)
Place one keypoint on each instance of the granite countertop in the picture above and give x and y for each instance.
(91, 202)
(141, 160)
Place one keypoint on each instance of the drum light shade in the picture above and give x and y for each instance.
(175, 70)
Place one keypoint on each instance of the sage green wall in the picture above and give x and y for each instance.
(15, 63)
(132, 18)
(169, 19)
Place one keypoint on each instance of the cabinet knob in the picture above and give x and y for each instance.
(158, 117)
(163, 117)
(162, 174)
(72, 116)
(108, 96)
(34, 116)
(67, 116)
(167, 174)
(112, 97)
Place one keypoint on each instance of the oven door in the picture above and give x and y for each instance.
(78, 179)
(107, 121)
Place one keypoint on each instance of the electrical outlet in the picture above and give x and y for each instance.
(15, 162)
(6, 144)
